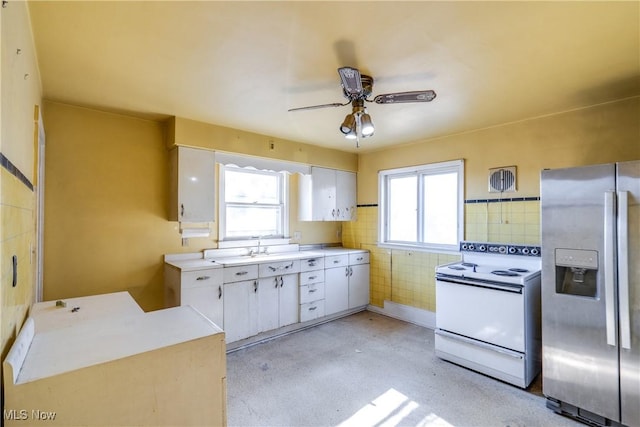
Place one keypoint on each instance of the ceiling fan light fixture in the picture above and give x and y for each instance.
(348, 126)
(366, 125)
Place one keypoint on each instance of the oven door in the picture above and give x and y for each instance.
(489, 312)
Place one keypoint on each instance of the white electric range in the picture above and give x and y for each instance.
(488, 311)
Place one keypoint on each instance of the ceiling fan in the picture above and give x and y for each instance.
(357, 89)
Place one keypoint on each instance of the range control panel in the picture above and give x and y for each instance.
(500, 248)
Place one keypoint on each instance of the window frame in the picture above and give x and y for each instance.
(453, 166)
(283, 178)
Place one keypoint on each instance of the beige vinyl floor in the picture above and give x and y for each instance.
(370, 370)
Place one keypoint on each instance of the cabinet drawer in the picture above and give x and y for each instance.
(359, 258)
(311, 310)
(279, 268)
(309, 277)
(310, 264)
(198, 278)
(336, 261)
(310, 293)
(240, 272)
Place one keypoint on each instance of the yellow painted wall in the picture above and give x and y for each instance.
(20, 89)
(197, 134)
(600, 134)
(106, 203)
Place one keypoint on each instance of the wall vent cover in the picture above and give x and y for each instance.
(502, 180)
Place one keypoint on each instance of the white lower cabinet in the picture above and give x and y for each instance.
(278, 301)
(358, 279)
(241, 302)
(311, 310)
(336, 290)
(241, 319)
(248, 299)
(312, 289)
(201, 289)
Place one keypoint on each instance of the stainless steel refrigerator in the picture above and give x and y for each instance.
(590, 224)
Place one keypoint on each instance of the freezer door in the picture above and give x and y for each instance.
(629, 282)
(579, 331)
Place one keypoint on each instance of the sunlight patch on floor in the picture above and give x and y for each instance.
(390, 409)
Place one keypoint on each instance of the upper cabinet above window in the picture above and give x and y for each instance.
(192, 196)
(327, 195)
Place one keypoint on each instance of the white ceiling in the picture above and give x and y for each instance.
(244, 64)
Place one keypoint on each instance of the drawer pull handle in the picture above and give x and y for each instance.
(313, 277)
(219, 292)
(336, 261)
(242, 273)
(311, 263)
(203, 278)
(312, 308)
(312, 290)
(359, 258)
(255, 286)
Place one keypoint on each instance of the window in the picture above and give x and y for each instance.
(422, 206)
(253, 203)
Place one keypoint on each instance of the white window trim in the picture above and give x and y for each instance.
(223, 206)
(449, 166)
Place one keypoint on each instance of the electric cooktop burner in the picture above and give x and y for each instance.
(505, 273)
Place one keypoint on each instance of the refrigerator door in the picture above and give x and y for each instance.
(579, 328)
(629, 289)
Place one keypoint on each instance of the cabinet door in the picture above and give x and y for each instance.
(336, 290)
(288, 300)
(324, 194)
(240, 310)
(207, 300)
(268, 306)
(195, 186)
(358, 285)
(345, 195)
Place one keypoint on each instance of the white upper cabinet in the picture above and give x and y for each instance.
(192, 174)
(327, 195)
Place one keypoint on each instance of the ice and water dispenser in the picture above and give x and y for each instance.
(576, 272)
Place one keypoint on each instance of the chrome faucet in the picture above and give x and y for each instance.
(253, 252)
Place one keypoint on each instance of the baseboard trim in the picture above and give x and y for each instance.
(406, 313)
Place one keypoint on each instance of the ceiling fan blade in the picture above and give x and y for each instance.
(351, 81)
(315, 107)
(401, 97)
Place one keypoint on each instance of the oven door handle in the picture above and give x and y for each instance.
(481, 344)
(516, 289)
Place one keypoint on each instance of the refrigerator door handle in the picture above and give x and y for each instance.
(609, 267)
(623, 270)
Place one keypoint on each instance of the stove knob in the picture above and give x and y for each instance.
(502, 249)
(472, 247)
(525, 251)
(535, 251)
(464, 246)
(512, 250)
